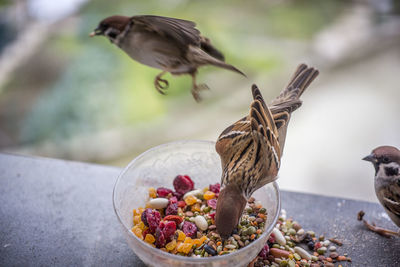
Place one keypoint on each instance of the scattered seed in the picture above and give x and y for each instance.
(303, 253)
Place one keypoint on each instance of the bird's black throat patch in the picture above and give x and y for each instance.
(390, 171)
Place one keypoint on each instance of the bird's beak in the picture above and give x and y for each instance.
(370, 158)
(97, 31)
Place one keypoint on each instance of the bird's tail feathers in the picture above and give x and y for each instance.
(301, 79)
(200, 57)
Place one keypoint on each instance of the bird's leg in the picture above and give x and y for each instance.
(197, 87)
(161, 84)
(371, 226)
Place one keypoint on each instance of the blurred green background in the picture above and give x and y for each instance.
(65, 95)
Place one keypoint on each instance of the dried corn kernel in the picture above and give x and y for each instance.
(171, 245)
(181, 235)
(149, 239)
(136, 219)
(209, 195)
(138, 232)
(190, 200)
(152, 192)
(185, 247)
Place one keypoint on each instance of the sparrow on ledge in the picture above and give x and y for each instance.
(386, 161)
(251, 148)
(172, 45)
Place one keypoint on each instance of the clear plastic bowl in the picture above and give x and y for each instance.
(158, 167)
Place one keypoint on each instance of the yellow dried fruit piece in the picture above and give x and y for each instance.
(203, 239)
(138, 232)
(205, 189)
(190, 200)
(136, 219)
(141, 226)
(149, 239)
(138, 211)
(152, 192)
(181, 235)
(197, 242)
(188, 240)
(135, 212)
(195, 207)
(209, 195)
(185, 247)
(171, 245)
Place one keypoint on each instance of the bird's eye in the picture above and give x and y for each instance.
(385, 160)
(112, 34)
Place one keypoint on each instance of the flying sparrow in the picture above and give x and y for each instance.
(251, 148)
(386, 161)
(172, 45)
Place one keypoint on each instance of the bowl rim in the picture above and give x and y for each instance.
(179, 257)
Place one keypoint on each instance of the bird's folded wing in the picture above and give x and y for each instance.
(265, 158)
(181, 31)
(392, 206)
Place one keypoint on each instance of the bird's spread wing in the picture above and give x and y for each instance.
(183, 32)
(249, 148)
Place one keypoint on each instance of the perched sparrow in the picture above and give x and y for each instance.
(251, 148)
(172, 45)
(386, 161)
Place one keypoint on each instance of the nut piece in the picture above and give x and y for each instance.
(158, 203)
(201, 222)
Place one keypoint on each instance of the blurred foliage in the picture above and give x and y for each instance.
(102, 88)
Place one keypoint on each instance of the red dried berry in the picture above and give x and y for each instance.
(183, 184)
(264, 252)
(144, 216)
(173, 200)
(271, 239)
(175, 218)
(214, 188)
(163, 192)
(169, 230)
(212, 203)
(189, 229)
(212, 215)
(172, 209)
(177, 195)
(153, 219)
(161, 225)
(181, 204)
(145, 232)
(160, 238)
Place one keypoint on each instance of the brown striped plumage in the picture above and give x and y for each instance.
(386, 161)
(169, 44)
(251, 148)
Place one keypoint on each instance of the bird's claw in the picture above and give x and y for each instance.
(161, 85)
(372, 226)
(196, 89)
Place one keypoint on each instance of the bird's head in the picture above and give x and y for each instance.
(111, 27)
(386, 159)
(230, 206)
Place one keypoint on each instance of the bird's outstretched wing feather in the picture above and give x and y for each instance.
(183, 32)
